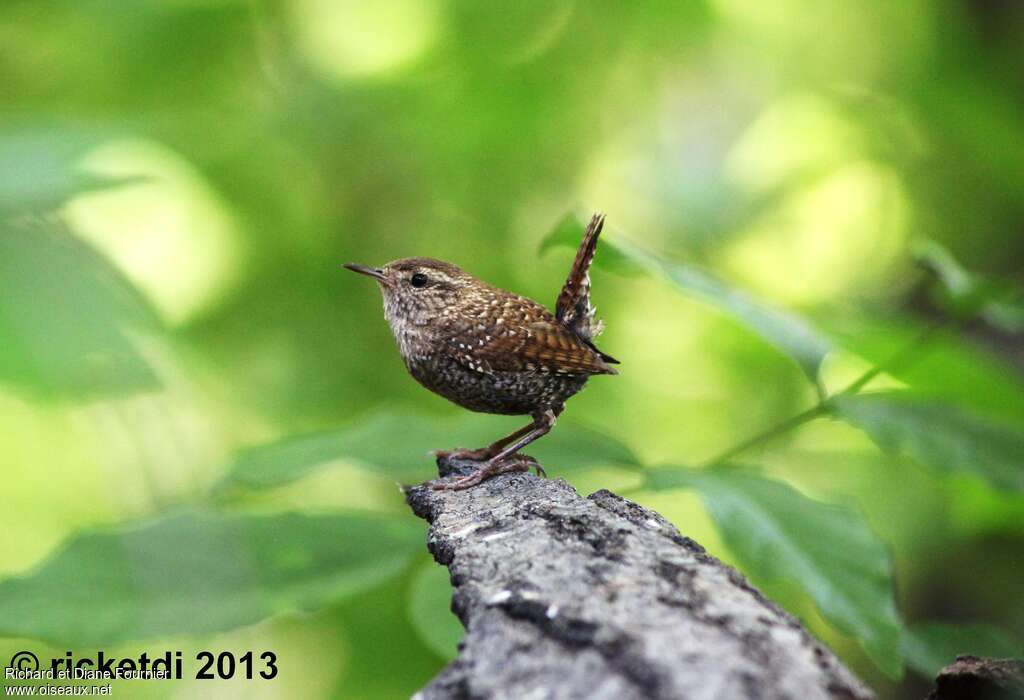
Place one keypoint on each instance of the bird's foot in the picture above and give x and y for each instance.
(479, 455)
(513, 463)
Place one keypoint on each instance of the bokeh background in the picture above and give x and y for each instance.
(181, 179)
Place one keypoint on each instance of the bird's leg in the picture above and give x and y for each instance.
(499, 464)
(484, 452)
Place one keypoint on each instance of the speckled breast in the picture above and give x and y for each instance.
(510, 393)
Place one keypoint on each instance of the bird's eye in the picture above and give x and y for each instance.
(418, 280)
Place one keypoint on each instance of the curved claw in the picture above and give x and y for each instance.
(530, 462)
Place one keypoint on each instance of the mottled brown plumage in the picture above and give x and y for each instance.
(491, 350)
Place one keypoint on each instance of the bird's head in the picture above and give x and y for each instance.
(416, 289)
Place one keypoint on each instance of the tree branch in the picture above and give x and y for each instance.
(973, 678)
(571, 597)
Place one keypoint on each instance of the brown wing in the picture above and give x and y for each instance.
(524, 337)
(573, 308)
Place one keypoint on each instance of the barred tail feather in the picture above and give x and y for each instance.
(573, 308)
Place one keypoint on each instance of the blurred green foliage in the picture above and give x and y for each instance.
(200, 572)
(372, 443)
(812, 269)
(782, 535)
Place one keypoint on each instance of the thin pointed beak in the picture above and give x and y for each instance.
(376, 273)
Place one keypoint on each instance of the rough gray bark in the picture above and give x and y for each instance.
(571, 597)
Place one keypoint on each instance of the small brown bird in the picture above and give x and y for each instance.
(493, 351)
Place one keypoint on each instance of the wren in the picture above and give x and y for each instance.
(493, 351)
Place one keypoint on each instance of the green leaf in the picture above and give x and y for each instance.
(430, 601)
(947, 366)
(939, 435)
(201, 572)
(785, 330)
(931, 646)
(968, 294)
(70, 324)
(571, 446)
(398, 443)
(384, 658)
(777, 533)
(39, 166)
